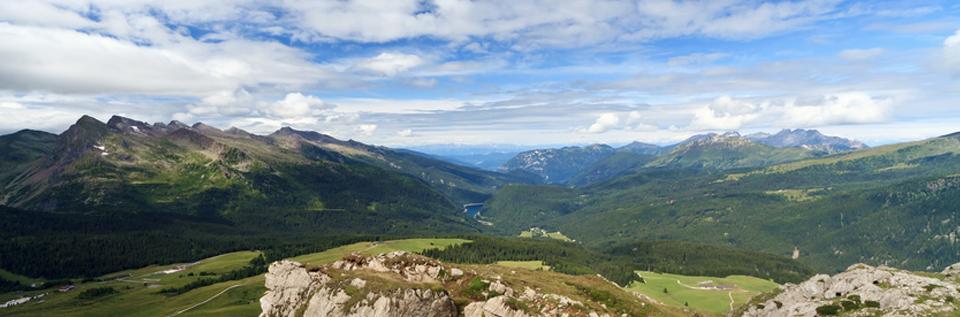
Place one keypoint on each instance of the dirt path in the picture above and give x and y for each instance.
(204, 302)
(730, 294)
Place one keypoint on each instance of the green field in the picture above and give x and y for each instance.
(537, 233)
(530, 265)
(138, 289)
(687, 291)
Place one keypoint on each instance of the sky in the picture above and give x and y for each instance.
(527, 72)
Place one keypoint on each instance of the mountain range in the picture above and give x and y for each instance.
(122, 185)
(594, 163)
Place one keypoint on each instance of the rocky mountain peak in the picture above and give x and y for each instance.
(129, 125)
(203, 127)
(730, 138)
(175, 124)
(81, 136)
(809, 139)
(307, 135)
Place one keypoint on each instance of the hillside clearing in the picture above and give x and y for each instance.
(711, 295)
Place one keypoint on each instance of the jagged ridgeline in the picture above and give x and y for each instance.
(126, 165)
(156, 193)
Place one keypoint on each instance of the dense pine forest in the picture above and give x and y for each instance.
(619, 263)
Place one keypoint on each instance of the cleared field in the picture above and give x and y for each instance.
(537, 233)
(139, 288)
(530, 265)
(372, 248)
(711, 295)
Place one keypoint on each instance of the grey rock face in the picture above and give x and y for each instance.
(864, 290)
(401, 284)
(293, 290)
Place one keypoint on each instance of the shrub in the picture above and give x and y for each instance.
(849, 305)
(828, 310)
(475, 288)
(871, 303)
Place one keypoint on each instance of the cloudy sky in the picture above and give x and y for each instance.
(398, 72)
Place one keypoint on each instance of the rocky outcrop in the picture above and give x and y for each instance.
(294, 290)
(404, 284)
(864, 290)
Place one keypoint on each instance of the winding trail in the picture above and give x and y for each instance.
(204, 302)
(730, 294)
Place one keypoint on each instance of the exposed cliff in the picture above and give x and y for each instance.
(403, 284)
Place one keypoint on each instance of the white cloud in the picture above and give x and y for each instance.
(951, 52)
(296, 105)
(389, 64)
(406, 133)
(367, 129)
(421, 82)
(837, 109)
(861, 54)
(543, 23)
(134, 52)
(726, 113)
(11, 105)
(604, 123)
(695, 59)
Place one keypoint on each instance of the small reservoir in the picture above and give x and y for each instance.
(472, 210)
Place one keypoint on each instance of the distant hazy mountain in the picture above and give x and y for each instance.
(808, 139)
(484, 156)
(724, 151)
(637, 147)
(487, 161)
(597, 163)
(556, 166)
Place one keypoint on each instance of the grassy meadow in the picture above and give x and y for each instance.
(138, 289)
(715, 296)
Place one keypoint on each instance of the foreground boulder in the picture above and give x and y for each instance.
(404, 284)
(864, 290)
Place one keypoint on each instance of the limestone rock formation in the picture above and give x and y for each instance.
(404, 284)
(864, 290)
(295, 290)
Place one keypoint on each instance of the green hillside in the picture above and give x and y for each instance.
(886, 205)
(138, 291)
(705, 294)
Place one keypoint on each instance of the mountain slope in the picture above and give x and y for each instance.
(725, 151)
(807, 139)
(23, 147)
(556, 166)
(460, 183)
(126, 165)
(129, 165)
(886, 205)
